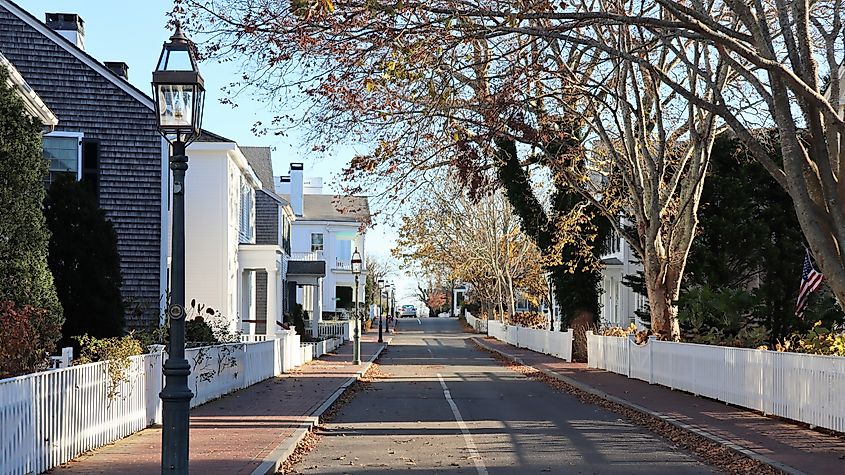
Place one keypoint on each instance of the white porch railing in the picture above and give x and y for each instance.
(253, 338)
(307, 256)
(341, 264)
(557, 344)
(805, 388)
(332, 328)
(479, 324)
(48, 418)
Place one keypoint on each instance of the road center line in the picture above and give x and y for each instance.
(473, 452)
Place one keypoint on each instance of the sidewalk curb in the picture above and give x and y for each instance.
(277, 457)
(636, 407)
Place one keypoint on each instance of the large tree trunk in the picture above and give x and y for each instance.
(663, 272)
(662, 301)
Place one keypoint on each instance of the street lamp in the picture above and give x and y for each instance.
(356, 271)
(178, 93)
(392, 302)
(380, 283)
(387, 304)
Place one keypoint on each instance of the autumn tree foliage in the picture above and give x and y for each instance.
(433, 296)
(570, 234)
(477, 242)
(27, 334)
(435, 84)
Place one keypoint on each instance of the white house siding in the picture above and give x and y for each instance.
(213, 227)
(618, 301)
(205, 215)
(301, 244)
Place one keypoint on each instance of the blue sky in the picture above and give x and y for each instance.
(133, 32)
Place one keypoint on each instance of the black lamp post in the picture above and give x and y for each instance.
(356, 341)
(551, 297)
(393, 305)
(387, 304)
(380, 283)
(178, 93)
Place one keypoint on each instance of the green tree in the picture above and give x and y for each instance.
(25, 278)
(745, 264)
(84, 261)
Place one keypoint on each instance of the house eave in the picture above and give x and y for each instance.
(33, 104)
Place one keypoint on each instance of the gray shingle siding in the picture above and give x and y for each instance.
(260, 301)
(130, 151)
(266, 219)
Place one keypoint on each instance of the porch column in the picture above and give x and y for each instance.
(272, 302)
(317, 312)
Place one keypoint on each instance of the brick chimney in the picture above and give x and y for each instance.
(118, 67)
(69, 25)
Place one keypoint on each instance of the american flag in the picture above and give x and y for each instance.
(810, 281)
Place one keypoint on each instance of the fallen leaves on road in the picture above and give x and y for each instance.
(311, 439)
(306, 445)
(712, 453)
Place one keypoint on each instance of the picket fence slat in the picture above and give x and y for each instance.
(801, 387)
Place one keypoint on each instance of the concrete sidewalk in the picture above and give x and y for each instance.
(247, 431)
(785, 445)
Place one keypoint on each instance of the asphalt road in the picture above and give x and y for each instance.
(448, 407)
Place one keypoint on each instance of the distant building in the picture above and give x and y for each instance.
(327, 229)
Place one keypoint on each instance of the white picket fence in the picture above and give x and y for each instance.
(805, 388)
(479, 324)
(557, 344)
(50, 417)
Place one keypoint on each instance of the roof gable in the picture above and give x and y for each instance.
(82, 56)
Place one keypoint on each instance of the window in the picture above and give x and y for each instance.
(316, 242)
(613, 243)
(285, 233)
(344, 250)
(62, 151)
(246, 231)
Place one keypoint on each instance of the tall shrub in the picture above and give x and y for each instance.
(84, 261)
(25, 277)
(745, 264)
(26, 334)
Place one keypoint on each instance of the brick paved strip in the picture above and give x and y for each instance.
(239, 432)
(784, 445)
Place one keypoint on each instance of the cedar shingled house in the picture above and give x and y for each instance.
(107, 134)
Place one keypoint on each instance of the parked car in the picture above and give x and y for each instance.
(408, 311)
